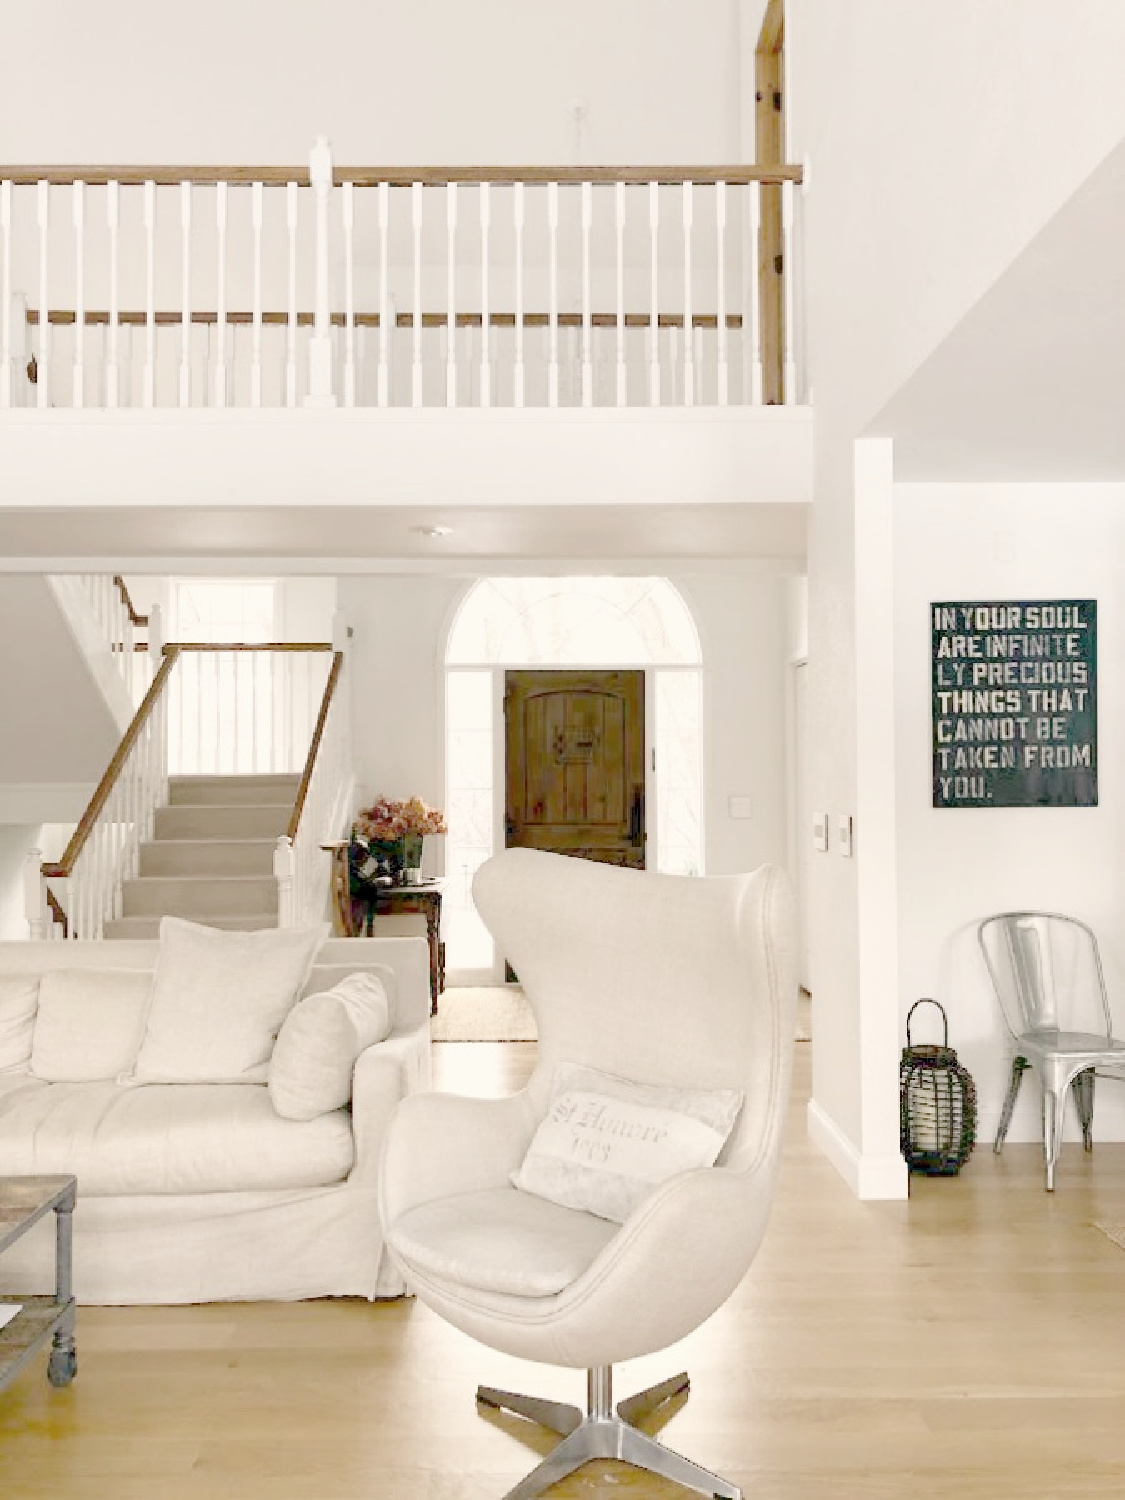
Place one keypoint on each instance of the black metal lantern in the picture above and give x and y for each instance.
(937, 1105)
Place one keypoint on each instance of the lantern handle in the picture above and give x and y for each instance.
(944, 1018)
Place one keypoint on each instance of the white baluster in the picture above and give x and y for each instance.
(385, 314)
(256, 204)
(219, 384)
(619, 222)
(254, 668)
(185, 294)
(291, 320)
(587, 324)
(112, 378)
(451, 293)
(689, 337)
(518, 224)
(237, 707)
(485, 325)
(43, 376)
(654, 311)
(78, 213)
(7, 310)
(752, 317)
(722, 377)
(790, 393)
(553, 295)
(284, 869)
(348, 206)
(320, 345)
(149, 395)
(416, 217)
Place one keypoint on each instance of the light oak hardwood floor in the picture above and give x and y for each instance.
(968, 1343)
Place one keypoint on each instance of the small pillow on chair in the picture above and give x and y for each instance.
(606, 1143)
(311, 1068)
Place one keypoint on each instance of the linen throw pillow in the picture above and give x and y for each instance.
(89, 1023)
(19, 997)
(607, 1142)
(218, 1000)
(310, 1071)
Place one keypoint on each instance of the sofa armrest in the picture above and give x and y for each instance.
(439, 1145)
(385, 1074)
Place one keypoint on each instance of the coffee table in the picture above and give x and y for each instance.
(23, 1202)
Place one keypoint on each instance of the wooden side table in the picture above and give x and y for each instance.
(353, 915)
(23, 1202)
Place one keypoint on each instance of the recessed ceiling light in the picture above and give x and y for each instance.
(433, 531)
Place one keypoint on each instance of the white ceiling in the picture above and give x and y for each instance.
(371, 539)
(1031, 384)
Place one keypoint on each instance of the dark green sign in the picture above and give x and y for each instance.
(1015, 704)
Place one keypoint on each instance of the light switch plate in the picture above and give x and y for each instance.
(740, 807)
(820, 832)
(844, 835)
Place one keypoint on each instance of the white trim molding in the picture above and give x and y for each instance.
(871, 1178)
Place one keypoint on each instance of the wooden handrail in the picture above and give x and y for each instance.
(62, 317)
(736, 174)
(134, 617)
(102, 793)
(177, 646)
(314, 747)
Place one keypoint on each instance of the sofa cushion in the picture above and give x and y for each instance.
(19, 997)
(310, 1071)
(166, 1138)
(218, 999)
(89, 1023)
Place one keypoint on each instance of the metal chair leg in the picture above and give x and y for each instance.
(1019, 1064)
(1052, 1132)
(1084, 1099)
(634, 1409)
(556, 1416)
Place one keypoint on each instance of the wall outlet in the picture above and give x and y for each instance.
(844, 835)
(820, 833)
(740, 807)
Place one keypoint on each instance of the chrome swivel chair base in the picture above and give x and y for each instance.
(602, 1432)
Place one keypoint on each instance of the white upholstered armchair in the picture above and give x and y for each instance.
(682, 992)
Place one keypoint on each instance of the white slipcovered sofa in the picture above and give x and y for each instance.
(199, 1191)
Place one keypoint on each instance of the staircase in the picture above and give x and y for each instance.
(211, 858)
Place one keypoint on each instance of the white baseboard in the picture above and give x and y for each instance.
(870, 1178)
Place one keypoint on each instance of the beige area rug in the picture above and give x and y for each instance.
(500, 1013)
(1114, 1232)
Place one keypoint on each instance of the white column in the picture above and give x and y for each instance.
(416, 215)
(348, 212)
(219, 397)
(112, 383)
(291, 321)
(619, 221)
(149, 393)
(78, 204)
(553, 295)
(722, 374)
(185, 294)
(320, 345)
(587, 326)
(485, 330)
(257, 193)
(43, 362)
(518, 224)
(689, 338)
(385, 311)
(654, 305)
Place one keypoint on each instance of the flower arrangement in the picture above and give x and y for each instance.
(386, 821)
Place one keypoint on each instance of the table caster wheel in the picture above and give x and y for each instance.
(62, 1366)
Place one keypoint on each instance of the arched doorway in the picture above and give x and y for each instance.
(596, 622)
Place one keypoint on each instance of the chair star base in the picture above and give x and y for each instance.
(601, 1432)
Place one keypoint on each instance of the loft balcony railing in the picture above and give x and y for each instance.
(369, 287)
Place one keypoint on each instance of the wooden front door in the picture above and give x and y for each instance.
(575, 756)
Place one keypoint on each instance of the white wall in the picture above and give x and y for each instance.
(956, 865)
(935, 155)
(430, 82)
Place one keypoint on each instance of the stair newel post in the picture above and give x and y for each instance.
(35, 895)
(320, 345)
(285, 871)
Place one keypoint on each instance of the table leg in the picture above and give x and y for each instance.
(63, 1363)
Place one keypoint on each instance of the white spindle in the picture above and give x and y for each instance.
(78, 211)
(348, 208)
(254, 661)
(451, 293)
(485, 327)
(619, 221)
(185, 294)
(6, 309)
(654, 307)
(257, 193)
(291, 320)
(384, 296)
(219, 386)
(112, 380)
(43, 363)
(518, 224)
(416, 217)
(320, 345)
(587, 323)
(553, 294)
(752, 317)
(689, 336)
(236, 702)
(149, 394)
(722, 378)
(789, 395)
